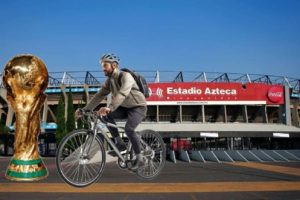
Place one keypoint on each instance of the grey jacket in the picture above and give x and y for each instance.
(126, 95)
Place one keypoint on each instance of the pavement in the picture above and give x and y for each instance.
(196, 180)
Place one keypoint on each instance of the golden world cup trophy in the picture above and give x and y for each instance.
(26, 78)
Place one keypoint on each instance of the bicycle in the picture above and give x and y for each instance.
(81, 156)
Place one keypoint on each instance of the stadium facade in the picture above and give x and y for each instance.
(195, 109)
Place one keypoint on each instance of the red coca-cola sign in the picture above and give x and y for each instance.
(275, 94)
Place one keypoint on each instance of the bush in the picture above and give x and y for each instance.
(70, 125)
(60, 120)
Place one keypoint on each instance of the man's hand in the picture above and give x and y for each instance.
(103, 111)
(78, 114)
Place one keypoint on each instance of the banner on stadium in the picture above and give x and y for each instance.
(215, 93)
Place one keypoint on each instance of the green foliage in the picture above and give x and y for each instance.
(65, 126)
(70, 125)
(81, 124)
(60, 120)
(79, 121)
(3, 129)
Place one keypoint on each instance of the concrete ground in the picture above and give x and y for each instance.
(280, 180)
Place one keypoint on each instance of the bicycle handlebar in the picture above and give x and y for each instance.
(101, 118)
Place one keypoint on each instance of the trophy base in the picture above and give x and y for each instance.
(26, 170)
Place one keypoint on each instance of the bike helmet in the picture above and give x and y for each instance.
(110, 57)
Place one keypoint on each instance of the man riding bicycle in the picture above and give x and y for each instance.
(127, 102)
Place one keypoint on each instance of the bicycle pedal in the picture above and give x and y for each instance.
(129, 165)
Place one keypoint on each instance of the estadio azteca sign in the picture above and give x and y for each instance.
(194, 90)
(215, 93)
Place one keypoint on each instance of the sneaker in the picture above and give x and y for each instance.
(121, 147)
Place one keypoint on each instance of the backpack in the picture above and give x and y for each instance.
(139, 79)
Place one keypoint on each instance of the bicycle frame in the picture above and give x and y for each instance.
(99, 127)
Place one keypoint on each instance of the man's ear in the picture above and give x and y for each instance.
(114, 65)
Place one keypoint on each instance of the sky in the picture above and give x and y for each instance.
(242, 36)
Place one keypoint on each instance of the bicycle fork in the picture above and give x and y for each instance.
(88, 144)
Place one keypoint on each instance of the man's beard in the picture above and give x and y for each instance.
(108, 73)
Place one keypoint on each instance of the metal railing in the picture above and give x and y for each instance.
(96, 78)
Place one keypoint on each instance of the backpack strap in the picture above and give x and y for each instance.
(120, 79)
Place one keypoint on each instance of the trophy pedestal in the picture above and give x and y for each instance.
(26, 170)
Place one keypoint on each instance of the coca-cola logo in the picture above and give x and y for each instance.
(275, 94)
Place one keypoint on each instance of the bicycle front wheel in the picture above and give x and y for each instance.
(80, 158)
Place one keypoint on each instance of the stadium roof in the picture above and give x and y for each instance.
(96, 78)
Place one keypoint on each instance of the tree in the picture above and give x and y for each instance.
(4, 137)
(3, 129)
(81, 124)
(79, 121)
(70, 125)
(60, 120)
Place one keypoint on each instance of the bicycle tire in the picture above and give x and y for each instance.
(98, 147)
(149, 136)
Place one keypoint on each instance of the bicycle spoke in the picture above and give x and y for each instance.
(75, 167)
(89, 173)
(74, 172)
(93, 168)
(158, 160)
(71, 146)
(69, 163)
(71, 167)
(71, 143)
(154, 151)
(77, 146)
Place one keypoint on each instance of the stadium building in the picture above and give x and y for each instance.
(194, 110)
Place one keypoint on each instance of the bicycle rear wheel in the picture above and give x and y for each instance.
(75, 166)
(154, 153)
